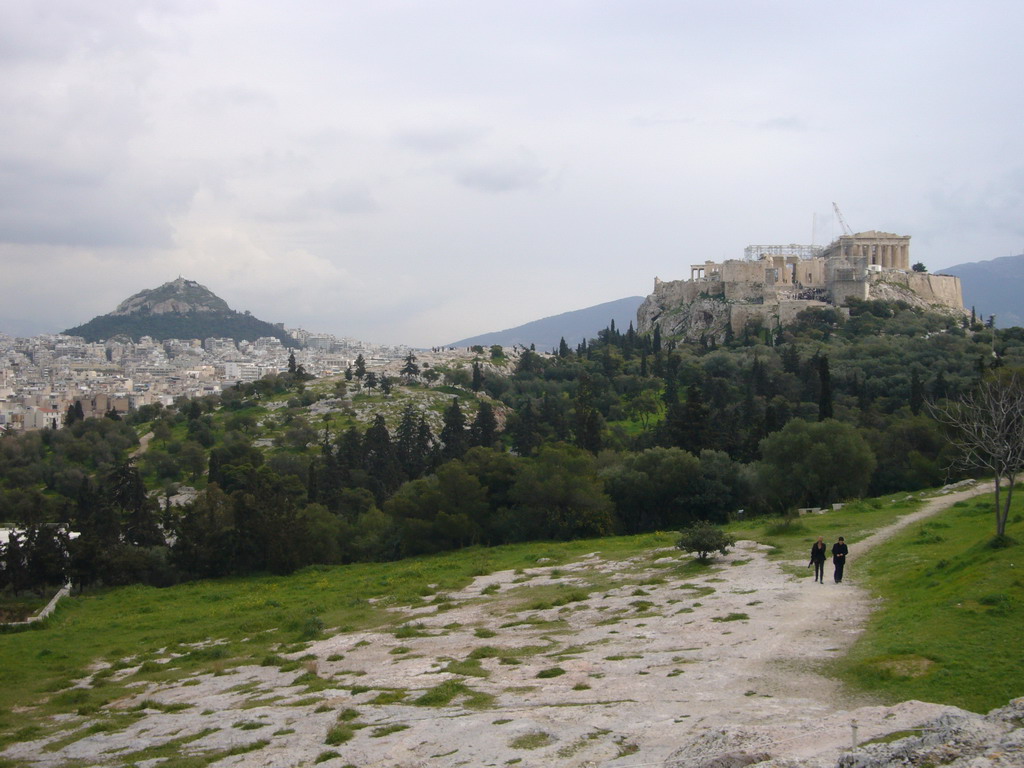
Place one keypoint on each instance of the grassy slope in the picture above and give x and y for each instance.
(250, 618)
(951, 625)
(964, 616)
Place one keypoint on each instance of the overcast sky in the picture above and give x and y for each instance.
(416, 172)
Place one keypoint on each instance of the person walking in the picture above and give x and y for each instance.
(818, 555)
(839, 553)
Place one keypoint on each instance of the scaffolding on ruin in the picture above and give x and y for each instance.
(753, 252)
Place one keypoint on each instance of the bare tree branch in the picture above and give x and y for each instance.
(986, 426)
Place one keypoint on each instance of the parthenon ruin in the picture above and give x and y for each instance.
(880, 249)
(774, 283)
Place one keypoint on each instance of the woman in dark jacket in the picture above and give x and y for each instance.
(818, 554)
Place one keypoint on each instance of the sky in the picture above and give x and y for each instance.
(416, 172)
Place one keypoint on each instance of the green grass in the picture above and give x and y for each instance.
(551, 672)
(950, 628)
(533, 740)
(449, 691)
(253, 620)
(854, 521)
(953, 618)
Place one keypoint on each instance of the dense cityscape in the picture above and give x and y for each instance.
(41, 376)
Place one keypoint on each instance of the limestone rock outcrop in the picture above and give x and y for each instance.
(774, 288)
(959, 740)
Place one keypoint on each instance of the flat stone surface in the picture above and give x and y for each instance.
(671, 672)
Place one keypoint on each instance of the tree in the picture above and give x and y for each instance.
(478, 378)
(560, 496)
(704, 538)
(410, 370)
(360, 367)
(292, 368)
(986, 426)
(525, 431)
(125, 490)
(655, 489)
(74, 414)
(484, 430)
(916, 392)
(919, 267)
(380, 458)
(643, 407)
(454, 438)
(825, 393)
(815, 463)
(414, 442)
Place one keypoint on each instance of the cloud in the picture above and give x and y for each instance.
(433, 141)
(791, 123)
(516, 172)
(395, 170)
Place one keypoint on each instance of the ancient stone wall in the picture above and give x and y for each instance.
(776, 288)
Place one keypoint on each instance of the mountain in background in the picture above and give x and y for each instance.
(574, 327)
(994, 288)
(180, 309)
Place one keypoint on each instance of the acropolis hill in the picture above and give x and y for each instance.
(774, 283)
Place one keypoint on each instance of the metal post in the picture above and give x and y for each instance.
(853, 728)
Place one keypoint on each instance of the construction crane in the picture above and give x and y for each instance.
(842, 221)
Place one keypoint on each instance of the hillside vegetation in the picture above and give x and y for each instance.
(625, 434)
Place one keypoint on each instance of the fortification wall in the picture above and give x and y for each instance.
(931, 290)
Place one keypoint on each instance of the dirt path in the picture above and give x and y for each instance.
(637, 667)
(143, 445)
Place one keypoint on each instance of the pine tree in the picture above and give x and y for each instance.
(410, 369)
(360, 367)
(454, 440)
(380, 459)
(291, 363)
(412, 444)
(563, 348)
(478, 377)
(526, 436)
(484, 430)
(790, 359)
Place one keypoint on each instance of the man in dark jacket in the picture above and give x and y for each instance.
(839, 553)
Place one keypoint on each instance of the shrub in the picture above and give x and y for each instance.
(704, 538)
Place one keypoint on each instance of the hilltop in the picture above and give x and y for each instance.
(994, 288)
(180, 309)
(546, 334)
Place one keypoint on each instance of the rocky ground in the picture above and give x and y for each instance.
(621, 663)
